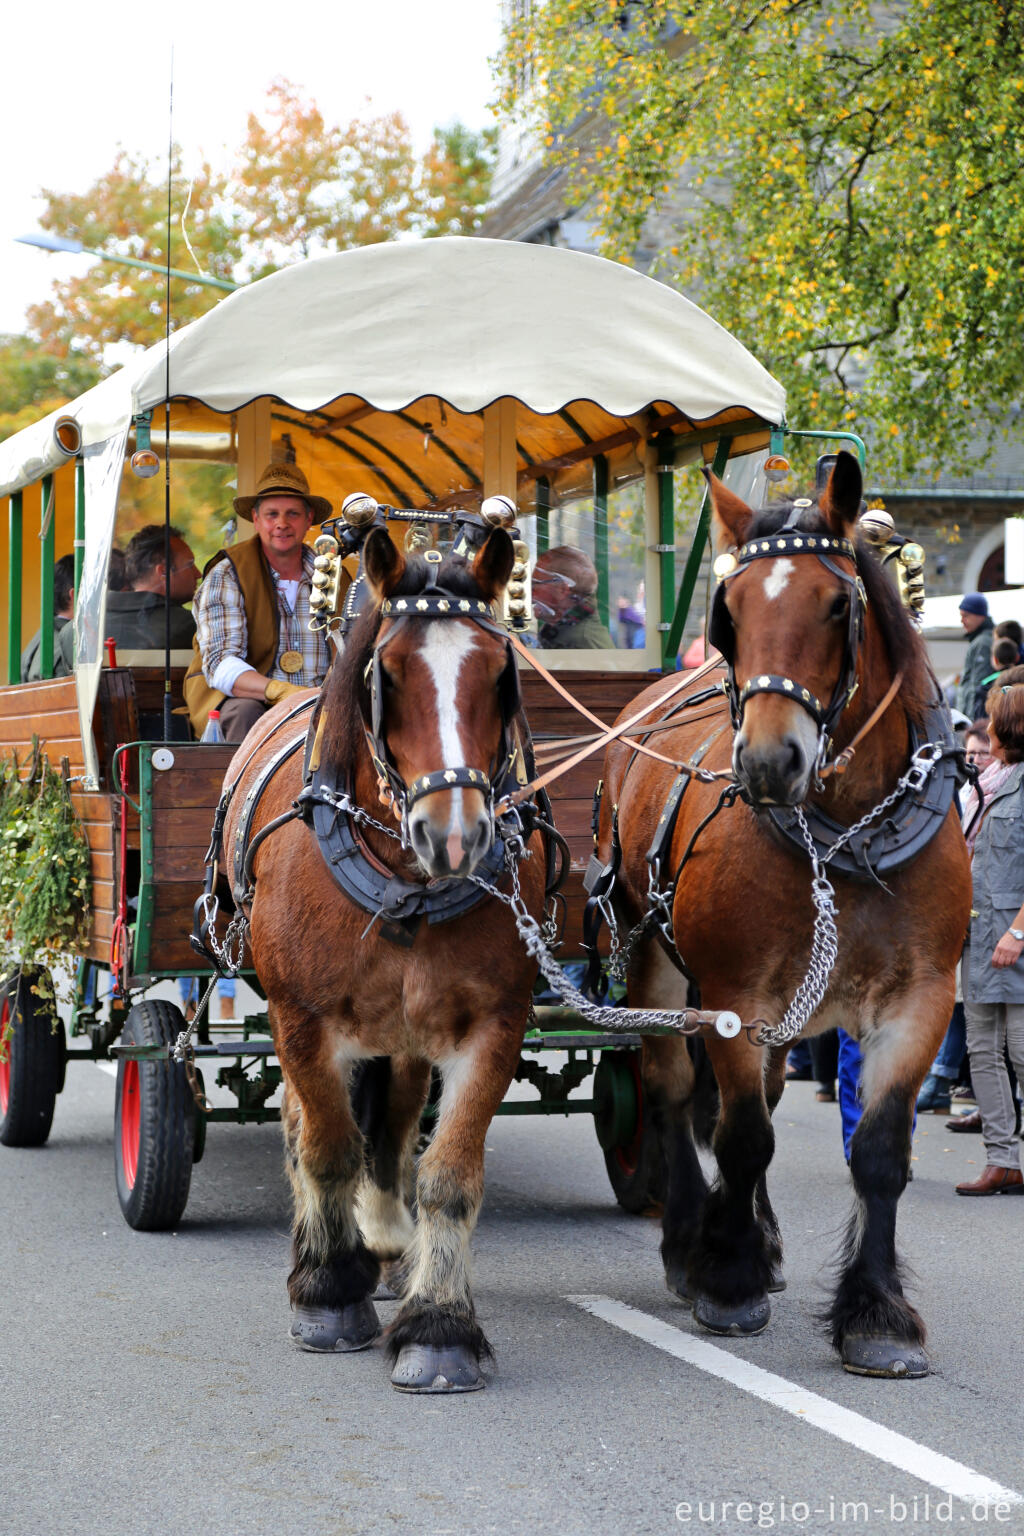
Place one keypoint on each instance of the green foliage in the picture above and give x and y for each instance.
(35, 381)
(296, 187)
(44, 868)
(844, 188)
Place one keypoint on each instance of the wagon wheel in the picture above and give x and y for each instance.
(629, 1140)
(154, 1124)
(33, 1074)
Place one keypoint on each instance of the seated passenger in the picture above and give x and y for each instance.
(63, 612)
(564, 584)
(253, 643)
(136, 616)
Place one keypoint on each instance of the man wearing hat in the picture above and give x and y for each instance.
(253, 644)
(974, 617)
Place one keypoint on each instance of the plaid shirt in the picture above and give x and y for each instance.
(221, 629)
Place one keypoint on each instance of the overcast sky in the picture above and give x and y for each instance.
(81, 79)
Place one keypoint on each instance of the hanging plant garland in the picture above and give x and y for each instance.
(44, 868)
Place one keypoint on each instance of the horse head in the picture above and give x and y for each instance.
(445, 693)
(787, 617)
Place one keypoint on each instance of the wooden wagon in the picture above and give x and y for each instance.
(427, 375)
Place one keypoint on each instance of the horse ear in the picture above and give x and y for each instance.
(731, 517)
(841, 498)
(383, 564)
(493, 564)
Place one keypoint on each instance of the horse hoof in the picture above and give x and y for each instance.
(384, 1293)
(777, 1282)
(865, 1354)
(427, 1368)
(326, 1332)
(736, 1322)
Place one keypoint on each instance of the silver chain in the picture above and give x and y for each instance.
(651, 1021)
(182, 1046)
(825, 942)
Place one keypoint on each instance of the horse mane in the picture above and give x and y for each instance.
(346, 695)
(905, 649)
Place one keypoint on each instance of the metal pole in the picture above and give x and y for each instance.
(46, 537)
(543, 505)
(14, 589)
(601, 537)
(666, 540)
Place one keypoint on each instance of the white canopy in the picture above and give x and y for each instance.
(457, 320)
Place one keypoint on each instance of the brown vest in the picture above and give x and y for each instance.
(259, 595)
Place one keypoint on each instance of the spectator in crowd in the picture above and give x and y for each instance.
(253, 642)
(564, 588)
(947, 1068)
(1005, 654)
(977, 625)
(992, 966)
(1009, 629)
(63, 612)
(632, 620)
(116, 579)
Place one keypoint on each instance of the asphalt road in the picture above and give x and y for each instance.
(148, 1385)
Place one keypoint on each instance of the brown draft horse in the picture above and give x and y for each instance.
(741, 918)
(339, 993)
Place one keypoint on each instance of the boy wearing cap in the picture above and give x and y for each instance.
(253, 644)
(974, 617)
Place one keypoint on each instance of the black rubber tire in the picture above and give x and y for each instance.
(34, 1073)
(154, 1119)
(637, 1172)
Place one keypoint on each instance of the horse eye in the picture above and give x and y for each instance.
(840, 606)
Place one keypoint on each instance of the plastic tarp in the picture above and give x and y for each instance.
(103, 463)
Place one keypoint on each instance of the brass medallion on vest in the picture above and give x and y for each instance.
(290, 662)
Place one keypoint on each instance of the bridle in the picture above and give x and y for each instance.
(436, 602)
(790, 541)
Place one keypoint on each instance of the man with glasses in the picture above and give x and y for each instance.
(137, 617)
(564, 587)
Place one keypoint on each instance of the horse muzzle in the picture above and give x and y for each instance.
(776, 772)
(450, 846)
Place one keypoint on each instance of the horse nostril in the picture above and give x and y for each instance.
(796, 753)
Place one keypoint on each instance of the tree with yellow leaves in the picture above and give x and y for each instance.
(837, 183)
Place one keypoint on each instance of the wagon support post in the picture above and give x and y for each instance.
(601, 537)
(693, 562)
(14, 526)
(666, 541)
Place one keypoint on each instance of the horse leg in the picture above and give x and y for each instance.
(733, 1262)
(874, 1327)
(333, 1272)
(388, 1100)
(436, 1342)
(774, 1083)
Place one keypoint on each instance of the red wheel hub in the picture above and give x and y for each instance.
(130, 1122)
(5, 1065)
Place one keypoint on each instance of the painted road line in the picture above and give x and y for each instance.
(876, 1439)
(108, 1067)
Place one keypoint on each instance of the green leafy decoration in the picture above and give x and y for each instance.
(44, 869)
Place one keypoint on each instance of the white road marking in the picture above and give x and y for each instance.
(107, 1066)
(876, 1439)
(777, 580)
